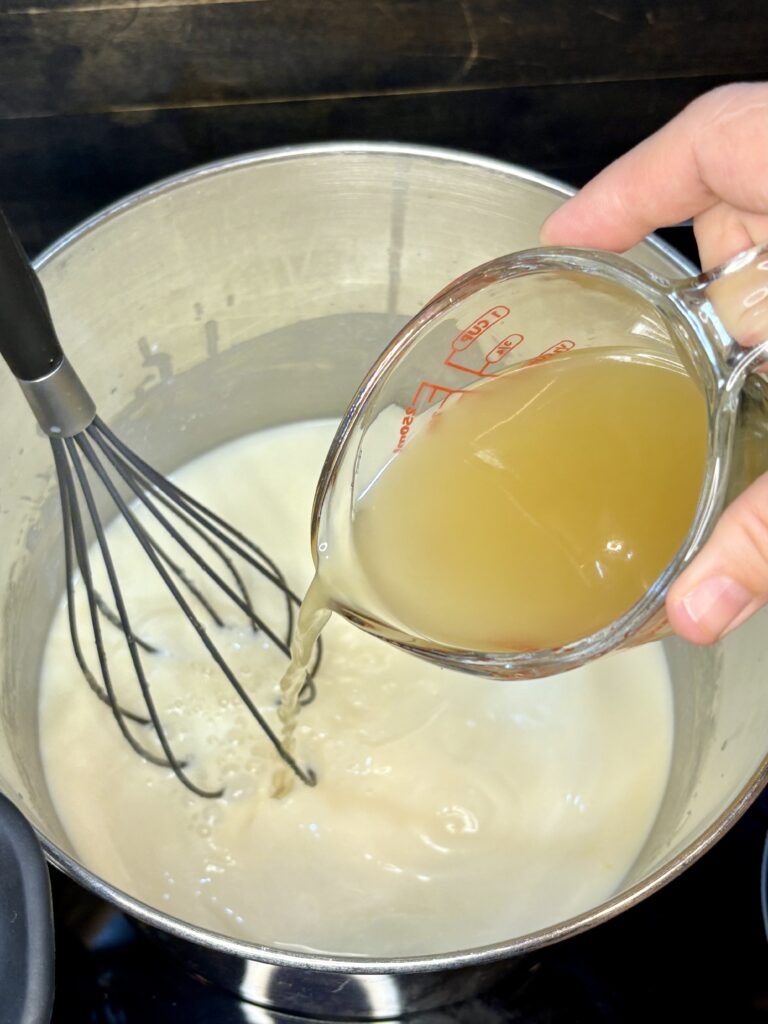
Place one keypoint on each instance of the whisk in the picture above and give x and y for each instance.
(84, 446)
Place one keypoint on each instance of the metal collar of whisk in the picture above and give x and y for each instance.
(60, 401)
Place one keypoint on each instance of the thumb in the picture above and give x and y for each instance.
(728, 580)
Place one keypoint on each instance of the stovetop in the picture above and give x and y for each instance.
(697, 950)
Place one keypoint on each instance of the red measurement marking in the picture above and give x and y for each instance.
(497, 353)
(480, 326)
(504, 347)
(432, 392)
(554, 350)
(463, 340)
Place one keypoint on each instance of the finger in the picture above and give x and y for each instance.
(728, 580)
(722, 231)
(717, 148)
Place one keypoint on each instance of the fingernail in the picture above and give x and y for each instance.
(715, 604)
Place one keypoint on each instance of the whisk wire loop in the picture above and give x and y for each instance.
(158, 496)
(150, 548)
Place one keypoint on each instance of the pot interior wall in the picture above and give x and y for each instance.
(259, 294)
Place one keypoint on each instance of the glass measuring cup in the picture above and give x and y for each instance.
(527, 308)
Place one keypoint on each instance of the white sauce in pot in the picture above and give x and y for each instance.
(451, 811)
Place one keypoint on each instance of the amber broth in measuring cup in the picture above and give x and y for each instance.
(538, 506)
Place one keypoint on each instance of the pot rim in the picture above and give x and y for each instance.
(341, 963)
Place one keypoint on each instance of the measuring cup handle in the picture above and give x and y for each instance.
(738, 293)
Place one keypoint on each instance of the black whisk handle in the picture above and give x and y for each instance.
(28, 341)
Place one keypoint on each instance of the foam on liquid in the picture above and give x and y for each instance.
(449, 812)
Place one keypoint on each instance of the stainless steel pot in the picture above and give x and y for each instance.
(258, 291)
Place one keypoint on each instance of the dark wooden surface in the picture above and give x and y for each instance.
(99, 97)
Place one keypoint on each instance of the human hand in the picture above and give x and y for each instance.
(709, 163)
